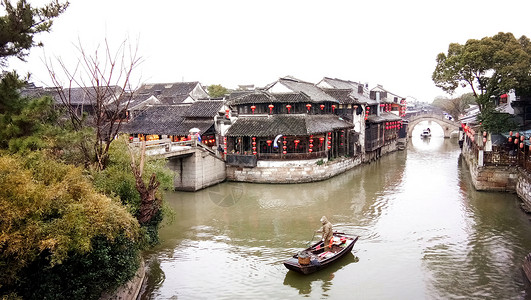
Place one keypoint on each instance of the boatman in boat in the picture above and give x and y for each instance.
(328, 234)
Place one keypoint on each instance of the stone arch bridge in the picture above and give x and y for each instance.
(448, 126)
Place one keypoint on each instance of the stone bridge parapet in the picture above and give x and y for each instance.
(448, 126)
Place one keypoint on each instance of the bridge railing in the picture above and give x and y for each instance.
(161, 147)
(434, 115)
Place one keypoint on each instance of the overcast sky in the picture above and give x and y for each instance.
(392, 43)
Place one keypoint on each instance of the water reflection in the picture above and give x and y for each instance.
(425, 233)
(319, 282)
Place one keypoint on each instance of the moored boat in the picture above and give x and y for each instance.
(314, 258)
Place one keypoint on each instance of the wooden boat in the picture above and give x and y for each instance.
(314, 258)
(426, 133)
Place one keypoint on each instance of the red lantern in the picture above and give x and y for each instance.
(311, 140)
(253, 108)
(288, 107)
(322, 106)
(310, 150)
(254, 143)
(284, 142)
(254, 152)
(329, 147)
(296, 142)
(254, 138)
(271, 108)
(227, 113)
(269, 142)
(284, 152)
(254, 148)
(308, 106)
(311, 145)
(333, 108)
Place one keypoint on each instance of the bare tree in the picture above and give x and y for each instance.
(150, 204)
(97, 94)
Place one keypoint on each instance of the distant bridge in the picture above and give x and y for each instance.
(196, 166)
(447, 125)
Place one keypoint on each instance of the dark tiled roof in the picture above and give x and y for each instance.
(138, 100)
(203, 109)
(169, 93)
(375, 119)
(187, 124)
(341, 84)
(292, 98)
(169, 100)
(342, 95)
(175, 119)
(37, 92)
(87, 95)
(168, 89)
(286, 125)
(318, 124)
(259, 96)
(314, 93)
(77, 96)
(254, 97)
(157, 120)
(390, 117)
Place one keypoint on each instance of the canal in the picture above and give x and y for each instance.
(425, 233)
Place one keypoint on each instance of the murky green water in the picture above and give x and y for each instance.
(425, 233)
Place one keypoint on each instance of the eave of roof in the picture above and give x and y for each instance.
(264, 126)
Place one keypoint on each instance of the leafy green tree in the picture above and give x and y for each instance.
(490, 67)
(21, 23)
(52, 216)
(217, 90)
(117, 179)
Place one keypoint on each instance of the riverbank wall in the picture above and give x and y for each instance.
(131, 289)
(298, 171)
(523, 188)
(490, 178)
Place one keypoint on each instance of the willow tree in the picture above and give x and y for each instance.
(489, 67)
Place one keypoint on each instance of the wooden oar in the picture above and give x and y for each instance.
(336, 232)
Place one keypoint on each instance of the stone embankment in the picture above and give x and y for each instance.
(293, 171)
(511, 179)
(131, 289)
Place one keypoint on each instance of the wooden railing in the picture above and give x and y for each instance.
(505, 155)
